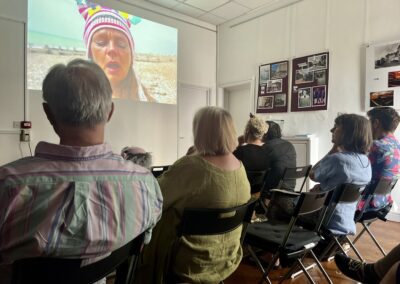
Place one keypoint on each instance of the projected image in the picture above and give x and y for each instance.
(138, 56)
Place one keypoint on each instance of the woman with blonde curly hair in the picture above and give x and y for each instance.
(252, 154)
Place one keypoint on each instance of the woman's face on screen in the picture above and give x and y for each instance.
(110, 49)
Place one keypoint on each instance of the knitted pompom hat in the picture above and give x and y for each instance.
(97, 17)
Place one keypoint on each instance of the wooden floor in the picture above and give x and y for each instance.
(387, 234)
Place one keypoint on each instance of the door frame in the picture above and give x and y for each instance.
(222, 88)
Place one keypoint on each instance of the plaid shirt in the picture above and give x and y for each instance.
(74, 202)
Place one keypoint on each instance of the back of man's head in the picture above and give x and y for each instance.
(388, 117)
(78, 94)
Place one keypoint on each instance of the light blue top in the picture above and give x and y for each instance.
(337, 169)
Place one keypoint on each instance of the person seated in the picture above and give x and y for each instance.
(210, 178)
(75, 199)
(280, 154)
(384, 154)
(252, 154)
(346, 162)
(385, 270)
(137, 156)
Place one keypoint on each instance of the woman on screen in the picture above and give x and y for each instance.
(110, 44)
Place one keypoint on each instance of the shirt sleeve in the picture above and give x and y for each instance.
(326, 169)
(155, 203)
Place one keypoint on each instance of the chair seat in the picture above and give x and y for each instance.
(269, 237)
(371, 215)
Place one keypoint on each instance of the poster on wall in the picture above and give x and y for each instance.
(273, 87)
(382, 75)
(310, 82)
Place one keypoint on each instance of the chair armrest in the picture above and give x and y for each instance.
(286, 192)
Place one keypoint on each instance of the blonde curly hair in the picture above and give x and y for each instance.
(255, 128)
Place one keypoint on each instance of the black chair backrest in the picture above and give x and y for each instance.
(384, 186)
(48, 270)
(292, 174)
(256, 180)
(214, 221)
(310, 202)
(158, 170)
(344, 193)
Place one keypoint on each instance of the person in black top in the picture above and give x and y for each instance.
(280, 154)
(252, 154)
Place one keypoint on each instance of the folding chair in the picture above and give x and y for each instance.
(367, 217)
(288, 241)
(256, 180)
(291, 175)
(47, 270)
(212, 221)
(158, 170)
(345, 193)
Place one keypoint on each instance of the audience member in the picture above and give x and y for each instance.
(384, 153)
(211, 178)
(75, 199)
(346, 162)
(384, 271)
(280, 154)
(252, 154)
(138, 156)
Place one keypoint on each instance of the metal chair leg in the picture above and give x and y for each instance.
(354, 249)
(321, 268)
(305, 271)
(373, 238)
(359, 236)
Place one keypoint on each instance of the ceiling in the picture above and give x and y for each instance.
(215, 12)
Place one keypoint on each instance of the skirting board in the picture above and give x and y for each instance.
(393, 216)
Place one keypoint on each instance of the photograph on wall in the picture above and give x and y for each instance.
(273, 87)
(382, 75)
(280, 100)
(310, 76)
(266, 102)
(279, 70)
(304, 97)
(387, 55)
(144, 71)
(394, 79)
(264, 74)
(319, 96)
(382, 98)
(320, 76)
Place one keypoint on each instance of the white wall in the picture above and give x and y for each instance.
(151, 126)
(340, 26)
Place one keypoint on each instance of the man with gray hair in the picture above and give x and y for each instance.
(75, 199)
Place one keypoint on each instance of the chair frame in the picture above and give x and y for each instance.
(294, 174)
(382, 187)
(48, 270)
(348, 193)
(308, 202)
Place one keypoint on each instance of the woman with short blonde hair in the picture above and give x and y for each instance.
(209, 178)
(214, 132)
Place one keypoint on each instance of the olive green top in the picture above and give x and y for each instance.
(194, 182)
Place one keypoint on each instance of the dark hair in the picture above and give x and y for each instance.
(274, 131)
(387, 116)
(356, 133)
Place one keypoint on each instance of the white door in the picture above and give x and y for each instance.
(190, 99)
(239, 102)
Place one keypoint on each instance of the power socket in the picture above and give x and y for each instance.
(24, 136)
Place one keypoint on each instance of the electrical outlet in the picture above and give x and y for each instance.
(16, 124)
(24, 136)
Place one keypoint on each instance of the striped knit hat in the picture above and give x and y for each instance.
(98, 17)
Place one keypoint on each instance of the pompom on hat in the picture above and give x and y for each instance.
(97, 17)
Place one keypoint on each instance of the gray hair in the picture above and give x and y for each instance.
(78, 94)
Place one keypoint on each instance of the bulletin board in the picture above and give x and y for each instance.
(310, 83)
(382, 75)
(273, 87)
